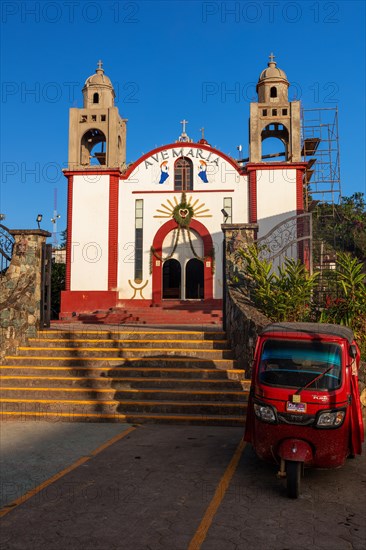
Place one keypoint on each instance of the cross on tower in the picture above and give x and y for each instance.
(184, 122)
(100, 64)
(272, 58)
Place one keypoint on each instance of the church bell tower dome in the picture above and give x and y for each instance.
(98, 90)
(272, 84)
(274, 116)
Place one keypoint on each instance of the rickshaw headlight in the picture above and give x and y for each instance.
(264, 412)
(330, 419)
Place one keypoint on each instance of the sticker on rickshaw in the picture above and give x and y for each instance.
(296, 407)
(296, 398)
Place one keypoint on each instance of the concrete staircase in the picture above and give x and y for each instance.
(135, 375)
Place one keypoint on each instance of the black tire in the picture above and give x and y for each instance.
(293, 476)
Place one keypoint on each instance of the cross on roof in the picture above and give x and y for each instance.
(184, 122)
(272, 58)
(100, 64)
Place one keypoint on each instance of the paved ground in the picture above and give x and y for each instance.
(158, 488)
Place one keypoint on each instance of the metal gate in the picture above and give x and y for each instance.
(46, 269)
(291, 238)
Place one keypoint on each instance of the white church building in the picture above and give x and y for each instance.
(150, 232)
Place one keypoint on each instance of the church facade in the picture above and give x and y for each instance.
(150, 232)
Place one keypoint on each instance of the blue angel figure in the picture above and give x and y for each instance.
(203, 171)
(164, 172)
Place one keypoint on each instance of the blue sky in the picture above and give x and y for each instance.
(168, 61)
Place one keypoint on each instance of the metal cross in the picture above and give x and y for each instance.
(184, 122)
(100, 64)
(272, 58)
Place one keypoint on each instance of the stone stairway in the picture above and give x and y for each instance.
(135, 375)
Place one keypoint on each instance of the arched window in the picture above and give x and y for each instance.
(93, 148)
(96, 98)
(183, 174)
(273, 92)
(275, 142)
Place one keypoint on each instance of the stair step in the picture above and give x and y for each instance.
(178, 419)
(24, 360)
(135, 334)
(69, 343)
(117, 383)
(110, 406)
(127, 392)
(36, 374)
(126, 353)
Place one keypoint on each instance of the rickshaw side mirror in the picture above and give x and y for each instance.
(353, 351)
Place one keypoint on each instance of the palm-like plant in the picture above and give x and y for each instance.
(282, 295)
(349, 308)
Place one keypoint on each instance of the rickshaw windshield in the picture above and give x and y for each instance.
(296, 363)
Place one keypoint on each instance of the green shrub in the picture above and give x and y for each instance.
(282, 296)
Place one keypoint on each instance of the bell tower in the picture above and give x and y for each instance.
(97, 133)
(274, 116)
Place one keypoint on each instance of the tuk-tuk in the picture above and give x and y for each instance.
(304, 405)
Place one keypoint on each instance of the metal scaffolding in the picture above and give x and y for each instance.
(320, 149)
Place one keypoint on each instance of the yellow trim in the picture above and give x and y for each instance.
(126, 379)
(177, 358)
(108, 369)
(90, 340)
(130, 415)
(55, 332)
(102, 349)
(125, 402)
(221, 489)
(130, 390)
(9, 507)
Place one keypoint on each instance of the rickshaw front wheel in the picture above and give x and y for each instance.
(293, 476)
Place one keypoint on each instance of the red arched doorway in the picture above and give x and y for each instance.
(157, 264)
(172, 280)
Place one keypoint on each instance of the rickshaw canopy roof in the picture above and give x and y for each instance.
(311, 328)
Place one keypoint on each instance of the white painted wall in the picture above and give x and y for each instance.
(90, 220)
(223, 180)
(276, 201)
(276, 197)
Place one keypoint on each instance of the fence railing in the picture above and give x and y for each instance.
(291, 238)
(6, 248)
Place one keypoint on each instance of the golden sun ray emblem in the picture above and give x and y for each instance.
(167, 209)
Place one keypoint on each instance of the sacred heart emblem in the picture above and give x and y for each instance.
(183, 212)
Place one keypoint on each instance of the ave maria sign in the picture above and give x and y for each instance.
(194, 153)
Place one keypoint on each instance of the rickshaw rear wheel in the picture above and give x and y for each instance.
(293, 476)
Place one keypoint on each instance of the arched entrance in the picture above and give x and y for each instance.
(158, 264)
(172, 276)
(195, 281)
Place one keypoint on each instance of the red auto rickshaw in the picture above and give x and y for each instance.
(304, 406)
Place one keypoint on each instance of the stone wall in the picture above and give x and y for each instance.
(20, 291)
(243, 323)
(242, 320)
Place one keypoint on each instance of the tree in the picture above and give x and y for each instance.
(63, 239)
(342, 228)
